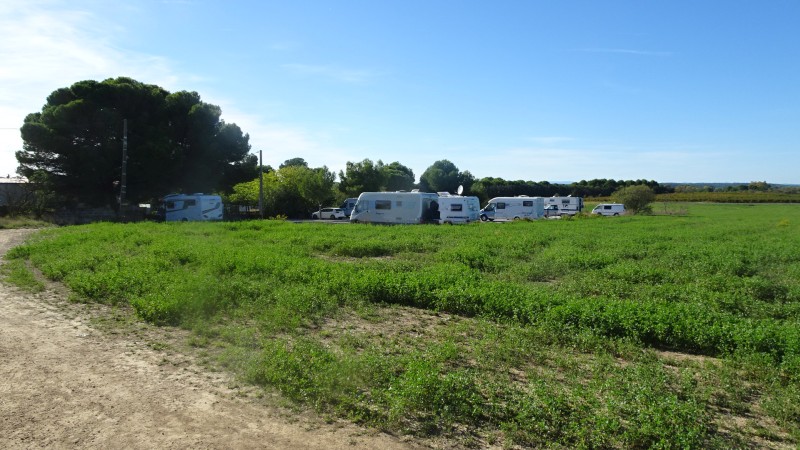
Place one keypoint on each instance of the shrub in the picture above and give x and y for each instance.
(636, 199)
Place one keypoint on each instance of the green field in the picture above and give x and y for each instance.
(665, 331)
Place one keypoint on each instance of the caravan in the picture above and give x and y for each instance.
(513, 208)
(454, 209)
(396, 208)
(559, 206)
(186, 207)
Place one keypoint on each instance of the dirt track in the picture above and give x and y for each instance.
(65, 383)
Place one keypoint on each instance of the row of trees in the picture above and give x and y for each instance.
(295, 190)
(366, 176)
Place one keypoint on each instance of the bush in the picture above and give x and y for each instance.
(636, 199)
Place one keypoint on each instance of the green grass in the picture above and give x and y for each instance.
(18, 273)
(546, 333)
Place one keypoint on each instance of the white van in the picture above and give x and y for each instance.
(396, 207)
(192, 207)
(513, 208)
(455, 209)
(609, 209)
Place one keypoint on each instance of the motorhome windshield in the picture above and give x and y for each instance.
(489, 207)
(361, 206)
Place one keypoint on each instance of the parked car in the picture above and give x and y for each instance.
(609, 209)
(328, 213)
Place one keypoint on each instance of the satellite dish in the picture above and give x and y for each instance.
(460, 189)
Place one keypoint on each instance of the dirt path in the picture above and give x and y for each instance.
(65, 383)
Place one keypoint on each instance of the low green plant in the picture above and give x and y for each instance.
(18, 273)
(545, 333)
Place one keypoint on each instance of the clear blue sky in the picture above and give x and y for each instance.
(684, 91)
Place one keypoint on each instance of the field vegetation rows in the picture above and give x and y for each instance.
(731, 197)
(665, 331)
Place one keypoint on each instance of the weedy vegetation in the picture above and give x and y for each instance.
(7, 223)
(665, 331)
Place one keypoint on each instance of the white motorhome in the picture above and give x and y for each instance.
(568, 205)
(455, 209)
(609, 209)
(396, 208)
(513, 208)
(192, 207)
(348, 205)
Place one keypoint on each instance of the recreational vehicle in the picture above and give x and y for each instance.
(513, 208)
(348, 205)
(563, 205)
(609, 209)
(396, 208)
(454, 209)
(192, 207)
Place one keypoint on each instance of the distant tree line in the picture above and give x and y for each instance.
(487, 188)
(753, 186)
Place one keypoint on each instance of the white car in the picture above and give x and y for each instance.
(328, 213)
(609, 209)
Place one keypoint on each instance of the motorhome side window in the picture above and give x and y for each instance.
(606, 206)
(189, 203)
(527, 203)
(170, 205)
(501, 205)
(383, 204)
(456, 207)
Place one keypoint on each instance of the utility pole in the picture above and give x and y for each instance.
(260, 185)
(124, 179)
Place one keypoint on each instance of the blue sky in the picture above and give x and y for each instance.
(673, 91)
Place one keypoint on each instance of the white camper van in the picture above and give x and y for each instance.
(396, 207)
(455, 209)
(191, 207)
(348, 205)
(513, 208)
(568, 205)
(609, 209)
